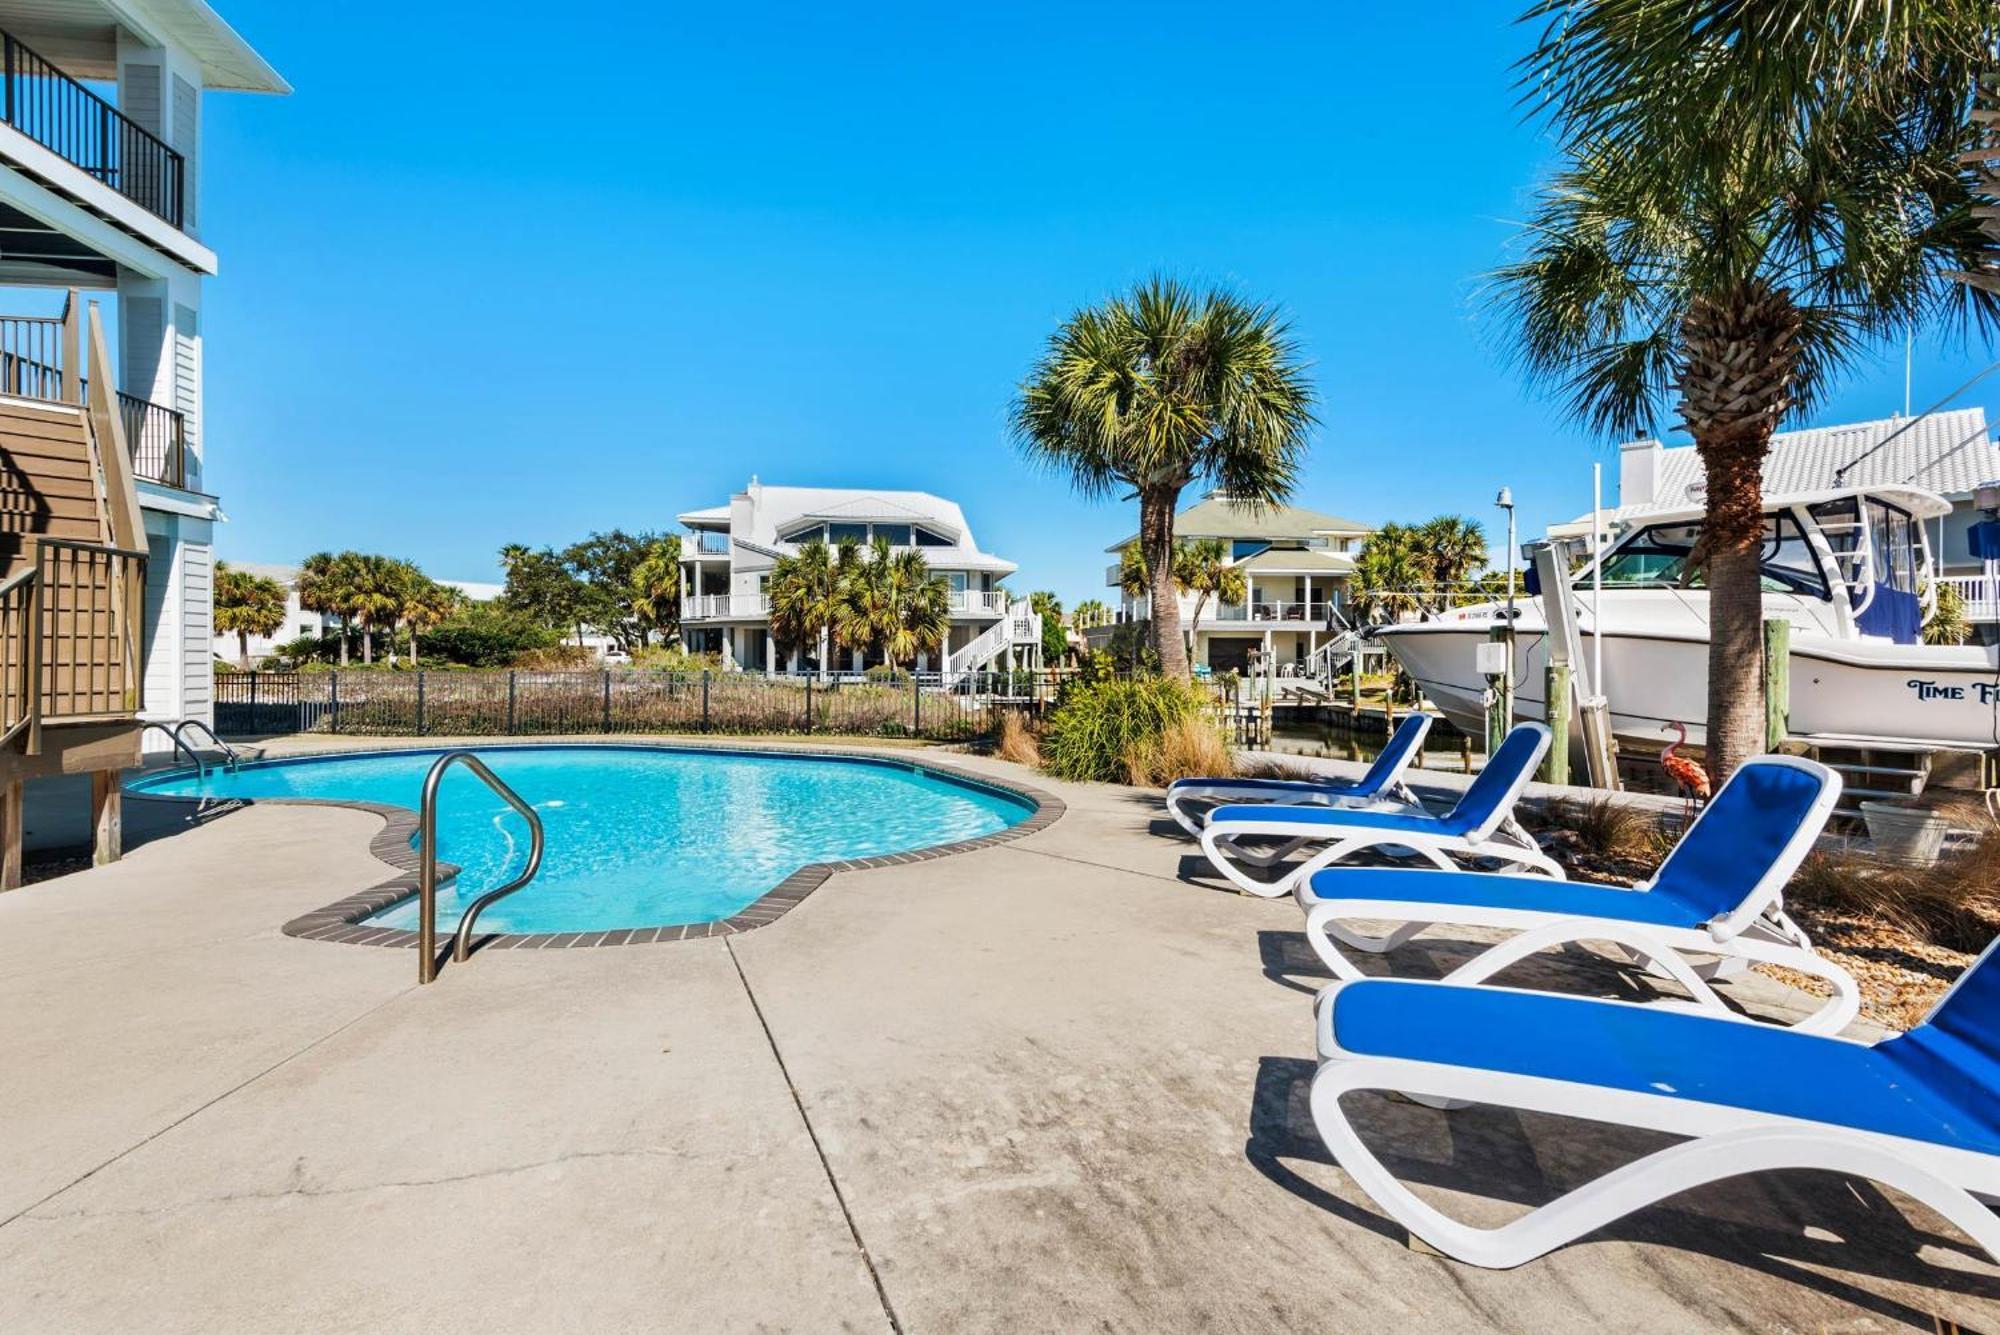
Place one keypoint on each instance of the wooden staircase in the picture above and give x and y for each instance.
(72, 585)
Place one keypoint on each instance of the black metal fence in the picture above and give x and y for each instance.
(520, 703)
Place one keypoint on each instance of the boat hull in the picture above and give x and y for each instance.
(1947, 696)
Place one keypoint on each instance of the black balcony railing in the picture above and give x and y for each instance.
(31, 350)
(77, 125)
(157, 437)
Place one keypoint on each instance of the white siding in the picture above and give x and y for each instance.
(187, 382)
(163, 618)
(141, 334)
(197, 621)
(187, 121)
(139, 94)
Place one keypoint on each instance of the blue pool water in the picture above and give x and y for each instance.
(634, 837)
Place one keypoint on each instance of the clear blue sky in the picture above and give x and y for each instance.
(488, 282)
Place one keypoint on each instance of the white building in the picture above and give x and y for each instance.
(100, 186)
(727, 556)
(1950, 453)
(1296, 565)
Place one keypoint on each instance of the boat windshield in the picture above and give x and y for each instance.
(1656, 557)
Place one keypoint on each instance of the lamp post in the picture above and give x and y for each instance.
(1505, 500)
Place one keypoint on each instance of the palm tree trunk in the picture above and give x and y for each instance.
(1156, 539)
(367, 647)
(1733, 537)
(414, 664)
(343, 641)
(243, 649)
(1741, 353)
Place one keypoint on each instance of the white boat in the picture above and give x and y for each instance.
(1849, 568)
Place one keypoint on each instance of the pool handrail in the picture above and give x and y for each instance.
(179, 745)
(427, 960)
(230, 757)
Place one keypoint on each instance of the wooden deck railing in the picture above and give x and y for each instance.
(70, 639)
(34, 352)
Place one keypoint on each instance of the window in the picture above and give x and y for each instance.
(307, 628)
(811, 533)
(1656, 557)
(956, 578)
(839, 533)
(1244, 547)
(897, 534)
(926, 538)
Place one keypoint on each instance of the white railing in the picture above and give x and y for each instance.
(1275, 613)
(707, 542)
(979, 601)
(1021, 625)
(1980, 595)
(714, 606)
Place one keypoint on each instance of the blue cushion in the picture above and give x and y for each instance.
(1895, 1088)
(1517, 754)
(1739, 836)
(1471, 889)
(1333, 787)
(1333, 819)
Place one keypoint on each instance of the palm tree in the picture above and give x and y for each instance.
(1736, 286)
(373, 593)
(892, 604)
(1055, 638)
(426, 604)
(1090, 613)
(1161, 389)
(656, 589)
(1454, 547)
(247, 605)
(922, 601)
(1203, 567)
(804, 590)
(1390, 573)
(321, 587)
(1691, 82)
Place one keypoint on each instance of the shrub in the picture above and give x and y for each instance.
(1607, 828)
(555, 658)
(884, 675)
(1185, 748)
(1954, 903)
(660, 658)
(485, 635)
(1015, 741)
(1092, 731)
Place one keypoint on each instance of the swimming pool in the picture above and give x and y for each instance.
(635, 836)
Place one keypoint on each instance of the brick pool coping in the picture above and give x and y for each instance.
(342, 920)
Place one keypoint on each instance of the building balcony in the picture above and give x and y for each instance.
(705, 542)
(1276, 615)
(726, 607)
(757, 606)
(33, 352)
(1980, 595)
(977, 602)
(61, 115)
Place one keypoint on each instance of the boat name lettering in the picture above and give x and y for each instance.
(1931, 690)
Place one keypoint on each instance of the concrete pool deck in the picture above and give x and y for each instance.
(1048, 1085)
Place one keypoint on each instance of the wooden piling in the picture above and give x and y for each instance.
(107, 810)
(1555, 769)
(1501, 716)
(1777, 681)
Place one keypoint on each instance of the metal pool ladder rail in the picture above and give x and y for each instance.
(427, 867)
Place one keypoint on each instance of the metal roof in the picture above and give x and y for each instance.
(1216, 516)
(1297, 561)
(1950, 453)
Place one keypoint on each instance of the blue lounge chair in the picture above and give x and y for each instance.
(1718, 896)
(1481, 825)
(1383, 779)
(1919, 1112)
